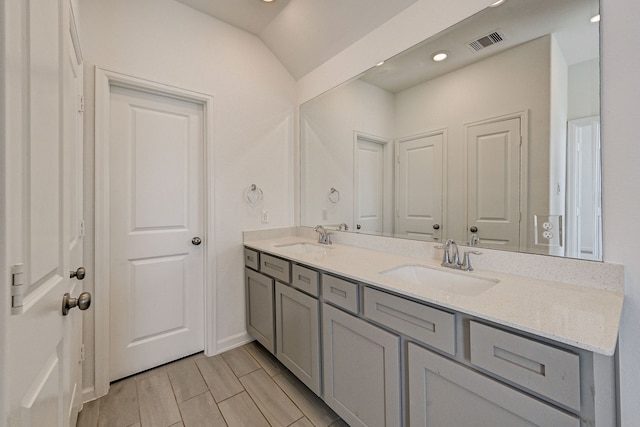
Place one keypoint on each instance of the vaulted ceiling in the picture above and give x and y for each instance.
(303, 34)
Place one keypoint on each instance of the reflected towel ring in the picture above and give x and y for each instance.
(334, 195)
(254, 194)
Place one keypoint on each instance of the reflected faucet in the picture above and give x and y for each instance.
(451, 251)
(343, 226)
(324, 237)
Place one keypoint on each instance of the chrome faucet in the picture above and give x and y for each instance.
(451, 251)
(324, 237)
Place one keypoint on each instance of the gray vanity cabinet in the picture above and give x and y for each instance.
(298, 334)
(259, 308)
(361, 365)
(445, 393)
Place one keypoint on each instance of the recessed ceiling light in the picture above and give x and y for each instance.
(595, 18)
(267, 1)
(439, 56)
(498, 3)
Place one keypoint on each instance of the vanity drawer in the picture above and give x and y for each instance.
(539, 367)
(429, 325)
(305, 279)
(251, 258)
(275, 267)
(340, 292)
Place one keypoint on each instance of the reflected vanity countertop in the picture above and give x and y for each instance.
(579, 316)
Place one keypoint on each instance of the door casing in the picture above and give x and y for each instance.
(104, 79)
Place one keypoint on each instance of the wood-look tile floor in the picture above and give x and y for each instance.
(245, 386)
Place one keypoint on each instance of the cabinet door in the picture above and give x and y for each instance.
(297, 334)
(361, 370)
(259, 310)
(443, 393)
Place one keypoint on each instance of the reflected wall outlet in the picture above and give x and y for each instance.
(265, 216)
(548, 230)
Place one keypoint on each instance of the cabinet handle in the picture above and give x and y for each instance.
(274, 266)
(304, 279)
(338, 292)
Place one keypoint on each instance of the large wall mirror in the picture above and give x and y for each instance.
(497, 145)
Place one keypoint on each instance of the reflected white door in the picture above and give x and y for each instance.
(419, 201)
(584, 212)
(493, 182)
(41, 375)
(156, 193)
(369, 176)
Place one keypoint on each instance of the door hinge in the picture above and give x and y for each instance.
(81, 103)
(17, 288)
(82, 357)
(82, 231)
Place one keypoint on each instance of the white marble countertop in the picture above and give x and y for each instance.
(579, 316)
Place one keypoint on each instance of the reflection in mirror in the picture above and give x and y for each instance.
(497, 146)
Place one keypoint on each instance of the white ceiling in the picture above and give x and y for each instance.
(303, 34)
(519, 21)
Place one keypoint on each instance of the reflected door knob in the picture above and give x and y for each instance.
(82, 302)
(196, 241)
(78, 274)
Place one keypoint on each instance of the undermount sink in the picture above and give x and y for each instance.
(453, 282)
(304, 248)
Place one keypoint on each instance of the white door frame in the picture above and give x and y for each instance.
(524, 170)
(104, 79)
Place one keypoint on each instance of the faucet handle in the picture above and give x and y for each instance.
(466, 263)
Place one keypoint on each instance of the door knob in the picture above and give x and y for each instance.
(196, 241)
(436, 226)
(78, 274)
(82, 302)
(473, 229)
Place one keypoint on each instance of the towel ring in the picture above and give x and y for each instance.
(254, 194)
(334, 195)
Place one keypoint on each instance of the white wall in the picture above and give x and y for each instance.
(620, 140)
(584, 98)
(621, 179)
(328, 124)
(167, 42)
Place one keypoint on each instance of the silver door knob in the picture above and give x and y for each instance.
(436, 226)
(78, 274)
(196, 241)
(82, 302)
(473, 229)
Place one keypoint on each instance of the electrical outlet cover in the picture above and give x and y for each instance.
(548, 230)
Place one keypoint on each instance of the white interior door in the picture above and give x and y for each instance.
(156, 209)
(584, 212)
(42, 370)
(419, 187)
(493, 182)
(369, 176)
(73, 102)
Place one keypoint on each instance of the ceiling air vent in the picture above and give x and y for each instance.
(486, 41)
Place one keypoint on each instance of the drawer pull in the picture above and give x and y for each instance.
(421, 323)
(338, 292)
(250, 258)
(521, 361)
(274, 266)
(304, 279)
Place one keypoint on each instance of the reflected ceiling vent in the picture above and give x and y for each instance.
(486, 41)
